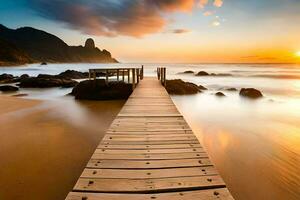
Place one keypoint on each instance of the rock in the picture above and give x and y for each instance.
(180, 87)
(188, 72)
(43, 63)
(220, 94)
(20, 95)
(72, 74)
(8, 88)
(24, 76)
(89, 44)
(99, 90)
(202, 73)
(251, 93)
(6, 78)
(202, 87)
(41, 82)
(231, 89)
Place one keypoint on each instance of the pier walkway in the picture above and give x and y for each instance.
(149, 152)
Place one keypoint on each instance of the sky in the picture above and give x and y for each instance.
(169, 31)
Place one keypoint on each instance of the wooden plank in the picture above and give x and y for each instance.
(209, 194)
(147, 156)
(164, 146)
(152, 151)
(148, 164)
(148, 173)
(149, 142)
(149, 185)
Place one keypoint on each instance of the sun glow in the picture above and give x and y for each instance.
(298, 53)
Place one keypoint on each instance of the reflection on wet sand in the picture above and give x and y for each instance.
(255, 145)
(44, 150)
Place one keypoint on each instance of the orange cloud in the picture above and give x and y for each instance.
(208, 13)
(203, 3)
(134, 18)
(218, 3)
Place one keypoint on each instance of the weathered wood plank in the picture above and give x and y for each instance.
(149, 185)
(152, 151)
(164, 146)
(209, 194)
(148, 173)
(148, 164)
(147, 156)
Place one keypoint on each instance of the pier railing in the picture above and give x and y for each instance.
(161, 75)
(129, 75)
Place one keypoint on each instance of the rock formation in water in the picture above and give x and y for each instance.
(100, 90)
(28, 45)
(251, 93)
(180, 87)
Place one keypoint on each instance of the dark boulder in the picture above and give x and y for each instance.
(188, 72)
(99, 90)
(220, 94)
(202, 73)
(43, 63)
(8, 88)
(72, 74)
(38, 82)
(251, 93)
(231, 89)
(6, 78)
(202, 87)
(180, 87)
(24, 76)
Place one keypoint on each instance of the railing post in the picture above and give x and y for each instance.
(138, 75)
(128, 75)
(133, 78)
(165, 76)
(117, 74)
(158, 73)
(106, 76)
(142, 72)
(123, 74)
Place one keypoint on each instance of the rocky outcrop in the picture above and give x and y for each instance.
(202, 87)
(202, 73)
(27, 45)
(46, 82)
(220, 94)
(251, 93)
(100, 90)
(72, 74)
(8, 88)
(180, 87)
(6, 78)
(89, 44)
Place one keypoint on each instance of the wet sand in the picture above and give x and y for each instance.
(44, 145)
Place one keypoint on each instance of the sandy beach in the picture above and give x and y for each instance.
(43, 148)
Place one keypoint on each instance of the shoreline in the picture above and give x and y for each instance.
(47, 138)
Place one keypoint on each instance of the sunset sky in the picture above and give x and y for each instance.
(192, 31)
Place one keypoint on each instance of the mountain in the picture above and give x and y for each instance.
(32, 45)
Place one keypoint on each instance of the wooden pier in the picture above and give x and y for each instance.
(149, 152)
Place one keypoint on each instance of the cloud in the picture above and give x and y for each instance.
(208, 13)
(202, 3)
(180, 31)
(216, 23)
(112, 18)
(218, 3)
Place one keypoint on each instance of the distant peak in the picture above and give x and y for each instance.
(2, 27)
(89, 43)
